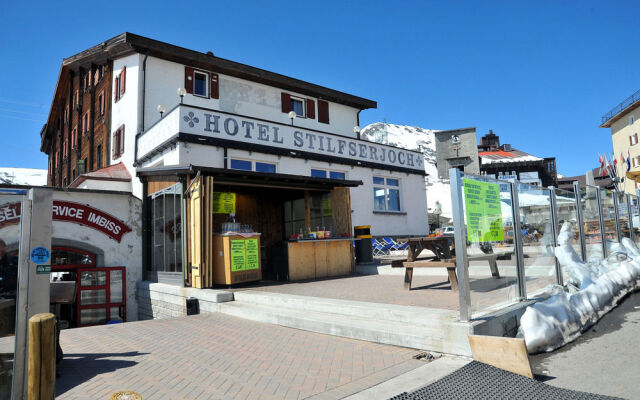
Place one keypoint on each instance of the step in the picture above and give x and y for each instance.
(417, 316)
(450, 338)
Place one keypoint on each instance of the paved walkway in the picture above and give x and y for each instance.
(217, 356)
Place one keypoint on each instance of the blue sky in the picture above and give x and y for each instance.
(540, 74)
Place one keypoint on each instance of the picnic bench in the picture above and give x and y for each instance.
(443, 249)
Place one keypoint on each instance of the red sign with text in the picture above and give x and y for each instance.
(72, 212)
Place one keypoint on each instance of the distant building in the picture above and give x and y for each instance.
(623, 121)
(23, 176)
(505, 162)
(457, 149)
(603, 181)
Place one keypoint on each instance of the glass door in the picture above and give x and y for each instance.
(101, 296)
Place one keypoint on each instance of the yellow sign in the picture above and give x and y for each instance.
(483, 211)
(238, 255)
(224, 203)
(253, 254)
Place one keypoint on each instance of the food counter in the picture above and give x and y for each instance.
(319, 258)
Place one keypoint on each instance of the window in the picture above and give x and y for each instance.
(117, 145)
(200, 83)
(73, 173)
(320, 173)
(74, 138)
(631, 120)
(297, 105)
(119, 85)
(386, 194)
(166, 233)
(241, 164)
(247, 165)
(85, 123)
(265, 167)
(101, 103)
(99, 156)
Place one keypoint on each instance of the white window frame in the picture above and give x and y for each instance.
(206, 83)
(328, 171)
(253, 164)
(304, 106)
(386, 188)
(633, 139)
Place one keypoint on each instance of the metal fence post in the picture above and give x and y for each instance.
(616, 205)
(517, 241)
(460, 237)
(630, 217)
(583, 243)
(603, 234)
(554, 230)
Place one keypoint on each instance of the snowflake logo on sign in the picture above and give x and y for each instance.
(191, 119)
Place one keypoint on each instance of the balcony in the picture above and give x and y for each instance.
(619, 108)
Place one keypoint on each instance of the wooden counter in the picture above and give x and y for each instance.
(321, 258)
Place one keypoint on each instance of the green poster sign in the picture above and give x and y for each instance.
(43, 269)
(253, 254)
(238, 255)
(224, 203)
(483, 211)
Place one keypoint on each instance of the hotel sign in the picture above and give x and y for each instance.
(231, 127)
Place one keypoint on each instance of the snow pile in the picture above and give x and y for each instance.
(420, 139)
(23, 176)
(594, 288)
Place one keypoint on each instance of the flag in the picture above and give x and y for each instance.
(628, 161)
(621, 159)
(601, 164)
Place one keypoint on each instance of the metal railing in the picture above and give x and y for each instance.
(616, 110)
(591, 230)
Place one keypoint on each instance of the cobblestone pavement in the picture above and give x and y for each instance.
(217, 356)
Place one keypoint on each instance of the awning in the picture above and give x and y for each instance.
(635, 175)
(250, 178)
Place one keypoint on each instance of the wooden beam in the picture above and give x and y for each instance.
(505, 353)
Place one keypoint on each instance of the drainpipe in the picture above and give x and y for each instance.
(358, 121)
(144, 97)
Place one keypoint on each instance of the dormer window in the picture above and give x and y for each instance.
(200, 83)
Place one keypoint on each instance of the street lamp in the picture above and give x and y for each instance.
(292, 115)
(181, 92)
(161, 109)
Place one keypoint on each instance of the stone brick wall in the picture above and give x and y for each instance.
(158, 300)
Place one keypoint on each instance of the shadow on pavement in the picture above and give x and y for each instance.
(76, 369)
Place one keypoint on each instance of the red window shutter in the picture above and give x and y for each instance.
(116, 89)
(286, 102)
(115, 145)
(215, 86)
(323, 111)
(630, 141)
(188, 79)
(122, 140)
(122, 79)
(311, 109)
(57, 154)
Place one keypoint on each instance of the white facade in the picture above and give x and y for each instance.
(256, 103)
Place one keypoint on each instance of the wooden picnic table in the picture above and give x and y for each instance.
(443, 249)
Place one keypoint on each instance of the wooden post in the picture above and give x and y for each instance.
(42, 357)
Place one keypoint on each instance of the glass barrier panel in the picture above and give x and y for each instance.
(609, 215)
(488, 220)
(634, 208)
(536, 233)
(10, 233)
(567, 210)
(591, 221)
(623, 214)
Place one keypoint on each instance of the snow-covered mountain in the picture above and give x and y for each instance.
(23, 176)
(421, 139)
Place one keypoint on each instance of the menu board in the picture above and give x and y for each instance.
(483, 211)
(224, 203)
(253, 254)
(238, 255)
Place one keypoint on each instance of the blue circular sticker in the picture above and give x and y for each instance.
(40, 255)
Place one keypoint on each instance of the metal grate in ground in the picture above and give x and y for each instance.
(481, 381)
